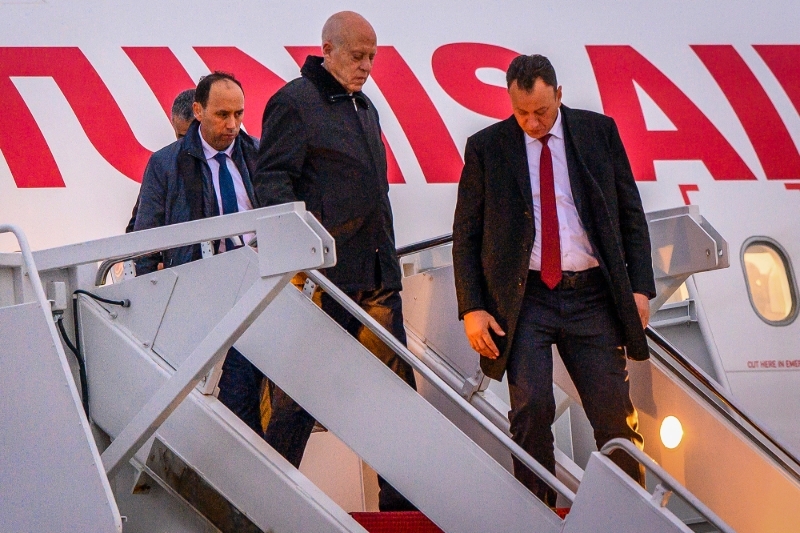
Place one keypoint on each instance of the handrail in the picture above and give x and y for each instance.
(30, 267)
(676, 362)
(716, 397)
(404, 353)
(105, 266)
(670, 482)
(424, 245)
(701, 384)
(160, 238)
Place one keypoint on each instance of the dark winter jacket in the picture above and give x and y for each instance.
(177, 187)
(324, 147)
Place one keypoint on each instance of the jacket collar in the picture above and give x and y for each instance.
(191, 141)
(330, 88)
(194, 146)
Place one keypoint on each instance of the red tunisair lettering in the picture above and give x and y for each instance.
(784, 62)
(393, 173)
(162, 72)
(166, 77)
(21, 140)
(259, 82)
(685, 190)
(426, 132)
(455, 66)
(616, 69)
(771, 140)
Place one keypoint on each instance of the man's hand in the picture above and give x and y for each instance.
(476, 326)
(642, 305)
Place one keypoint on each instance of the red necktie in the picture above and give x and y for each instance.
(551, 244)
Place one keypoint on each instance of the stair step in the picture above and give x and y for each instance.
(701, 526)
(396, 522)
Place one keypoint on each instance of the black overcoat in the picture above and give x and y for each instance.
(493, 229)
(323, 146)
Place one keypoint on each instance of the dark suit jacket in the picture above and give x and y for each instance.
(323, 147)
(177, 187)
(493, 230)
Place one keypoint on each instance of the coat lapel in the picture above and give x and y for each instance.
(243, 165)
(517, 157)
(580, 178)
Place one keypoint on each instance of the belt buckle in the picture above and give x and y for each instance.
(569, 280)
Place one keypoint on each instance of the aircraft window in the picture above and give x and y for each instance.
(769, 281)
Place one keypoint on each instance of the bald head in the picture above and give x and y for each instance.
(349, 45)
(344, 26)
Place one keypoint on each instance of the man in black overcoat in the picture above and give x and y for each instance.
(551, 246)
(321, 144)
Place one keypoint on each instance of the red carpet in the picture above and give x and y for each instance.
(407, 521)
(396, 522)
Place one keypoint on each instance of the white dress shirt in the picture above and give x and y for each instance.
(242, 200)
(576, 250)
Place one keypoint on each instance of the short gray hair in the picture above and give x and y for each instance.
(182, 105)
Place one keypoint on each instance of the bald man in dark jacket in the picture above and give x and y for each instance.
(321, 143)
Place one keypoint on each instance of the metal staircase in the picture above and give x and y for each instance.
(723, 447)
(152, 367)
(44, 429)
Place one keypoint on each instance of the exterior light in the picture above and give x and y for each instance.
(671, 432)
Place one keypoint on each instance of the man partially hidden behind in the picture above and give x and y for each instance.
(203, 174)
(321, 143)
(551, 246)
(181, 117)
(182, 113)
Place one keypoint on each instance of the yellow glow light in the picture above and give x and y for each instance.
(671, 432)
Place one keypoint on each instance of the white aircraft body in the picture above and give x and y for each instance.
(706, 96)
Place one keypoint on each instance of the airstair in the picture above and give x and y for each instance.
(725, 460)
(133, 438)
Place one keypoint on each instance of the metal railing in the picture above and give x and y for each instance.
(403, 352)
(679, 366)
(421, 246)
(106, 266)
(692, 376)
(30, 270)
(688, 373)
(668, 483)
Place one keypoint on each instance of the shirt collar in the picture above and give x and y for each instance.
(209, 151)
(556, 131)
